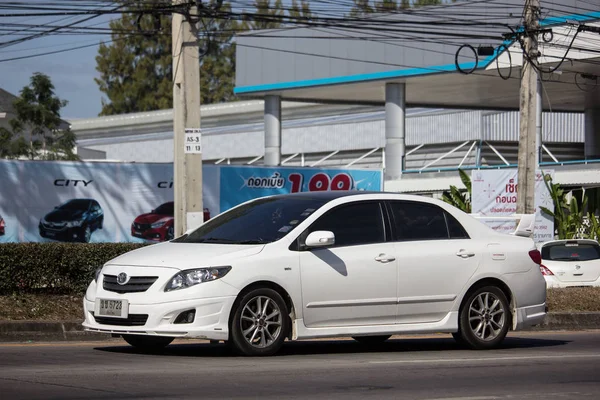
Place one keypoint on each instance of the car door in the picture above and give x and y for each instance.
(354, 281)
(435, 256)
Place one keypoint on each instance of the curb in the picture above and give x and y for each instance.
(569, 321)
(29, 331)
(25, 331)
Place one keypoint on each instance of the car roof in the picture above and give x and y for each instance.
(328, 195)
(563, 241)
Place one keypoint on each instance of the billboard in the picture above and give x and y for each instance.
(240, 184)
(494, 194)
(43, 201)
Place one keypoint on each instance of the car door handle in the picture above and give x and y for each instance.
(384, 258)
(464, 253)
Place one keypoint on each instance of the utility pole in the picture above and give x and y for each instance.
(186, 117)
(527, 105)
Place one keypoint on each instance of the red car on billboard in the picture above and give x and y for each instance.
(158, 224)
(1, 226)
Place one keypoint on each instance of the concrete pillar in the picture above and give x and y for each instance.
(272, 130)
(538, 122)
(592, 133)
(395, 130)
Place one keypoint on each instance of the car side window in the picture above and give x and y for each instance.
(455, 229)
(353, 224)
(418, 221)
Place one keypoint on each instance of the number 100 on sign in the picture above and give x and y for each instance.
(193, 141)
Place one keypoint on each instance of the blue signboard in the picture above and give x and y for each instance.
(240, 184)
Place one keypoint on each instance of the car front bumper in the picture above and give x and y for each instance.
(65, 234)
(154, 234)
(211, 320)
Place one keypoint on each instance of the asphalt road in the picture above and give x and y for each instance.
(533, 365)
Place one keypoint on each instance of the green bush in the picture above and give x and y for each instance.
(57, 268)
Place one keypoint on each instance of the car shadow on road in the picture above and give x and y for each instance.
(325, 347)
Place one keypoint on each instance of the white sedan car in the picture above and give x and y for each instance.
(570, 263)
(325, 264)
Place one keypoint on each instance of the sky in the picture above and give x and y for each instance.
(72, 73)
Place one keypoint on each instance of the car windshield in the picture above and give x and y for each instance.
(165, 209)
(261, 221)
(571, 252)
(76, 205)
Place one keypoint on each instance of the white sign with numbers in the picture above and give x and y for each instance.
(193, 141)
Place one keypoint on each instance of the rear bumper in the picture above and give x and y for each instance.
(553, 283)
(530, 316)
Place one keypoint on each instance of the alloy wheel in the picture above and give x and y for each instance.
(487, 316)
(261, 321)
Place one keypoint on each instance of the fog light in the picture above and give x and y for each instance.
(186, 317)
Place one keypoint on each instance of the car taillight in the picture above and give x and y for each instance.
(536, 256)
(545, 271)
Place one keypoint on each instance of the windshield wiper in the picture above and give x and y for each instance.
(254, 241)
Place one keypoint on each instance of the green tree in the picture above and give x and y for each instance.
(300, 10)
(37, 131)
(363, 7)
(136, 71)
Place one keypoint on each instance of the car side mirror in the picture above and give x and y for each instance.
(320, 239)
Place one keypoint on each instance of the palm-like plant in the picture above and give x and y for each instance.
(456, 197)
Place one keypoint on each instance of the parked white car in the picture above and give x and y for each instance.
(569, 263)
(325, 264)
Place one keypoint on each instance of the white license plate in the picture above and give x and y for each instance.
(112, 308)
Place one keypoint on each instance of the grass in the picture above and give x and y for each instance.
(41, 307)
(577, 299)
(70, 308)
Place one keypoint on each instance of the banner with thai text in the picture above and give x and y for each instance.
(494, 194)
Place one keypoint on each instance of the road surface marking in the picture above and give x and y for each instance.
(486, 359)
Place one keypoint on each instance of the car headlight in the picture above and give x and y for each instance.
(191, 277)
(97, 274)
(74, 224)
(158, 224)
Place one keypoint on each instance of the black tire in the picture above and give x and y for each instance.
(148, 343)
(459, 339)
(278, 326)
(371, 340)
(490, 327)
(101, 224)
(170, 233)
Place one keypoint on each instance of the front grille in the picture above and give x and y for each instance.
(136, 284)
(131, 320)
(54, 225)
(141, 227)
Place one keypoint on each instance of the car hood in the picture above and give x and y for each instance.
(151, 218)
(63, 215)
(185, 255)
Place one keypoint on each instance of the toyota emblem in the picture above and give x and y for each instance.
(122, 279)
(578, 267)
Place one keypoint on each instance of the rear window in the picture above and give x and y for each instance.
(571, 252)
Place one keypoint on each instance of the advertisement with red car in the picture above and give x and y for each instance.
(66, 201)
